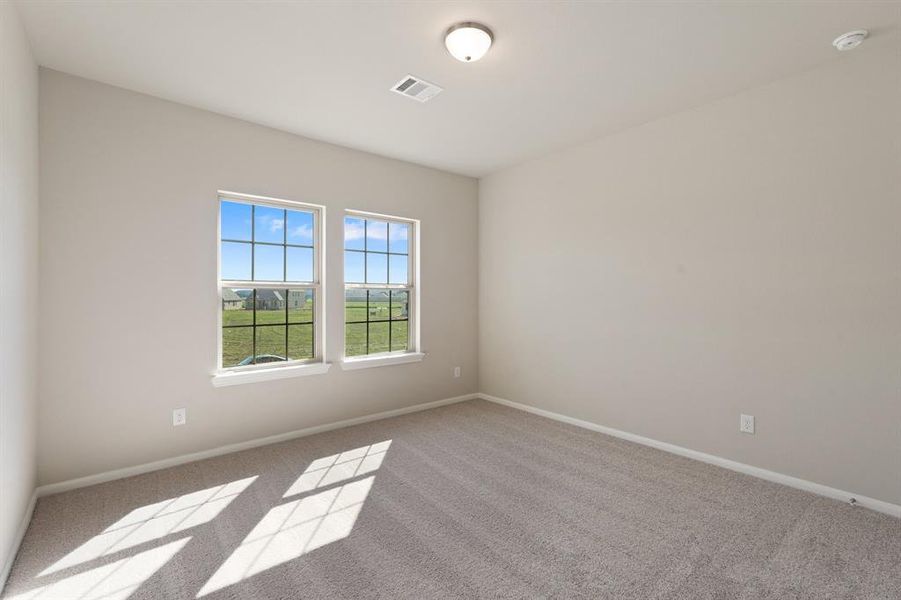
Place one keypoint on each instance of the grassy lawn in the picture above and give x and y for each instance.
(276, 335)
(378, 328)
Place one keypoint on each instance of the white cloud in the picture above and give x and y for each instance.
(354, 231)
(301, 231)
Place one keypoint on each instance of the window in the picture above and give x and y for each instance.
(269, 283)
(379, 286)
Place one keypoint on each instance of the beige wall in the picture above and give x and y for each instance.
(18, 276)
(739, 257)
(128, 269)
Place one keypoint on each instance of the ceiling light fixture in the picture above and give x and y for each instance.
(468, 42)
(850, 40)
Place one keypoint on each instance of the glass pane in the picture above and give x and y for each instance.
(270, 344)
(300, 306)
(376, 235)
(269, 224)
(271, 306)
(355, 339)
(354, 267)
(354, 232)
(397, 269)
(399, 237)
(268, 263)
(378, 337)
(300, 264)
(378, 305)
(398, 335)
(235, 258)
(300, 227)
(376, 268)
(237, 308)
(400, 308)
(300, 342)
(237, 346)
(234, 221)
(355, 305)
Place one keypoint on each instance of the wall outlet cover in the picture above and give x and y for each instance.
(179, 417)
(746, 424)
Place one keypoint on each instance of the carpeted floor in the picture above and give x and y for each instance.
(469, 500)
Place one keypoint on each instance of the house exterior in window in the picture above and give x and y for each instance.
(231, 300)
(276, 299)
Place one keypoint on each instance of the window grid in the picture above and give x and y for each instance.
(302, 287)
(389, 320)
(388, 287)
(284, 244)
(388, 253)
(286, 324)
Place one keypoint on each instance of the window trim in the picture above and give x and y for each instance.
(414, 352)
(289, 368)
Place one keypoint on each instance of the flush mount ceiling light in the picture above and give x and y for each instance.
(468, 42)
(850, 40)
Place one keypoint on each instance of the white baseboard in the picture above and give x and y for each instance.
(801, 484)
(17, 541)
(71, 484)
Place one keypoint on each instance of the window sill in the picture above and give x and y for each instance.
(350, 364)
(226, 378)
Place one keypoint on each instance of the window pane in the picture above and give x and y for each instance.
(376, 235)
(397, 269)
(270, 344)
(400, 308)
(300, 264)
(355, 339)
(300, 227)
(378, 305)
(355, 305)
(269, 224)
(353, 233)
(235, 258)
(237, 308)
(234, 221)
(378, 337)
(376, 268)
(398, 335)
(237, 346)
(353, 267)
(300, 342)
(300, 306)
(271, 306)
(398, 237)
(268, 263)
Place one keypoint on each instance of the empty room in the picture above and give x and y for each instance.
(410, 299)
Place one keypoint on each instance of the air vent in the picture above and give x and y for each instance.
(416, 88)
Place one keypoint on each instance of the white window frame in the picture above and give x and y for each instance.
(291, 368)
(414, 352)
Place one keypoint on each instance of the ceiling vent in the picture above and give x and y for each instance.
(416, 88)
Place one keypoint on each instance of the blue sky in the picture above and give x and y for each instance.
(276, 225)
(273, 225)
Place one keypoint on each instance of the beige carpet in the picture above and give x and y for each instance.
(470, 500)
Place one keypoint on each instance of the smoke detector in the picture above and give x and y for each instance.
(416, 88)
(850, 40)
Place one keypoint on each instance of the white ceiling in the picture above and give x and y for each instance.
(558, 74)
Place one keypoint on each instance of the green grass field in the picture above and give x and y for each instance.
(274, 325)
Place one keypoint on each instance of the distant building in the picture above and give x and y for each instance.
(231, 300)
(275, 299)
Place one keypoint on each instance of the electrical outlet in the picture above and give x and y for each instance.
(746, 424)
(179, 417)
(457, 371)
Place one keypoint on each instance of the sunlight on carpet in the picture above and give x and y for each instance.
(113, 581)
(154, 521)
